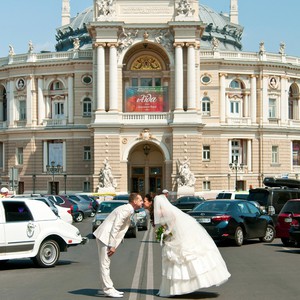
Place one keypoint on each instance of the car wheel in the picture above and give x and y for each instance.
(287, 242)
(270, 235)
(48, 254)
(239, 236)
(79, 217)
(92, 214)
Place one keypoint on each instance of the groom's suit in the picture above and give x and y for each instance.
(110, 234)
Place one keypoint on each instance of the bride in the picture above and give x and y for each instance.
(190, 258)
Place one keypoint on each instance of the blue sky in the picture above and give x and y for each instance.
(270, 21)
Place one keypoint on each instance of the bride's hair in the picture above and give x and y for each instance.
(151, 209)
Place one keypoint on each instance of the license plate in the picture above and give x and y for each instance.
(288, 220)
(204, 220)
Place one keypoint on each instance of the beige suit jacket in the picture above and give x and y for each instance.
(111, 232)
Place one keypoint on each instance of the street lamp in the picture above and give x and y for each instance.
(235, 166)
(53, 169)
(65, 177)
(33, 181)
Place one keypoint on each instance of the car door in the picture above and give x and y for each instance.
(260, 223)
(250, 220)
(19, 227)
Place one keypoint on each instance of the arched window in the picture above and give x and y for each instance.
(56, 85)
(206, 105)
(86, 107)
(235, 84)
(293, 101)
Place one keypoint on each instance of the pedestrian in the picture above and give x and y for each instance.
(4, 192)
(190, 258)
(165, 192)
(109, 236)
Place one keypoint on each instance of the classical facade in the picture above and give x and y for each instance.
(145, 87)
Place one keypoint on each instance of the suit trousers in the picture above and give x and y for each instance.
(104, 266)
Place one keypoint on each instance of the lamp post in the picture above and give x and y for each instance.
(65, 178)
(33, 183)
(235, 166)
(53, 169)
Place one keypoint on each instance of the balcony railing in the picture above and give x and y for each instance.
(54, 122)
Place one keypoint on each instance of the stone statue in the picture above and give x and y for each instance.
(215, 43)
(262, 47)
(76, 44)
(11, 51)
(30, 47)
(126, 39)
(282, 48)
(185, 176)
(106, 179)
(184, 9)
(104, 7)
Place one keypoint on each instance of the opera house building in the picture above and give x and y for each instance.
(158, 94)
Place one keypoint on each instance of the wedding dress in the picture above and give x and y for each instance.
(190, 258)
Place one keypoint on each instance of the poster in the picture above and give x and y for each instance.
(146, 99)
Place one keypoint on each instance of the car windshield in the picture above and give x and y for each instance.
(213, 206)
(108, 207)
(291, 206)
(259, 196)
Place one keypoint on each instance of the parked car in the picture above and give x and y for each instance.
(236, 220)
(233, 195)
(105, 208)
(285, 217)
(186, 203)
(62, 201)
(122, 197)
(29, 229)
(295, 231)
(88, 197)
(142, 219)
(85, 208)
(276, 193)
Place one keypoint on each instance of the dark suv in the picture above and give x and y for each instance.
(276, 193)
(187, 203)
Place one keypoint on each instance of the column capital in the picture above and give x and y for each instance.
(178, 45)
(114, 44)
(223, 75)
(191, 44)
(96, 45)
(253, 76)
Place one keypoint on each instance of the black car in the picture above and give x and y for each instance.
(236, 220)
(186, 203)
(295, 230)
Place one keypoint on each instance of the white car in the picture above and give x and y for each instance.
(65, 214)
(29, 229)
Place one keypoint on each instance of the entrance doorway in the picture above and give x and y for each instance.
(145, 170)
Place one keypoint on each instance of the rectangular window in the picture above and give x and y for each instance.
(296, 153)
(19, 156)
(87, 153)
(206, 153)
(206, 185)
(86, 186)
(275, 155)
(87, 108)
(235, 151)
(58, 110)
(134, 81)
(157, 81)
(235, 108)
(22, 110)
(272, 108)
(146, 81)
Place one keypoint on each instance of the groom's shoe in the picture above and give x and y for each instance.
(119, 292)
(113, 294)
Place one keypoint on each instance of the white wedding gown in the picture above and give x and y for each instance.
(190, 258)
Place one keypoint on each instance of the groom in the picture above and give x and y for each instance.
(109, 235)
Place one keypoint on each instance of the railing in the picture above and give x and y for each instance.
(142, 117)
(54, 122)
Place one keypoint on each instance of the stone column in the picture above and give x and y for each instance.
(70, 98)
(265, 99)
(11, 104)
(178, 76)
(284, 107)
(249, 155)
(41, 104)
(223, 111)
(113, 77)
(29, 104)
(191, 77)
(253, 99)
(100, 79)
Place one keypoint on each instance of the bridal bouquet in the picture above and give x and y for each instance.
(161, 233)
